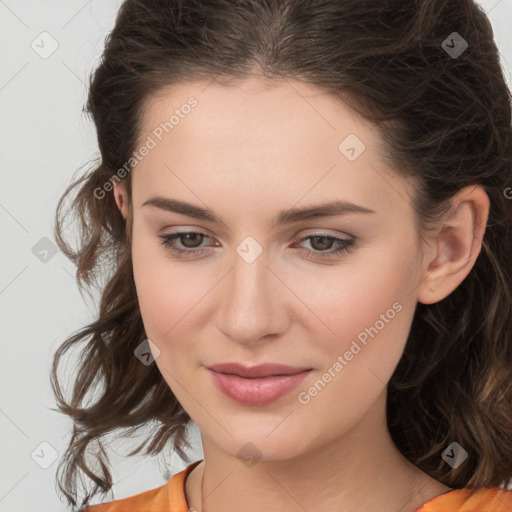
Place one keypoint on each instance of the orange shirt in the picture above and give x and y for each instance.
(170, 497)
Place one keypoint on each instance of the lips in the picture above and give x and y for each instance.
(256, 385)
(260, 370)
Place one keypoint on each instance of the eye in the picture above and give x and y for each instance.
(321, 244)
(191, 239)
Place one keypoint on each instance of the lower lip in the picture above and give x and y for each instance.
(257, 391)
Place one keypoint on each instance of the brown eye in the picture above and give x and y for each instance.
(191, 240)
(185, 242)
(326, 246)
(325, 242)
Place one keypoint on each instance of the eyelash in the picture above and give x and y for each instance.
(345, 247)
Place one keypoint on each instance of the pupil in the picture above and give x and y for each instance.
(326, 239)
(188, 236)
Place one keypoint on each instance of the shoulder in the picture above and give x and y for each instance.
(487, 499)
(169, 497)
(147, 500)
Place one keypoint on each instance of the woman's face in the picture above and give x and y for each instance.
(262, 280)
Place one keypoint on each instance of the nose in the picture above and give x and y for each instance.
(253, 302)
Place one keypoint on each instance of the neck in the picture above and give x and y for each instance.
(359, 470)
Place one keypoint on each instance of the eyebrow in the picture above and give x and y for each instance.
(323, 210)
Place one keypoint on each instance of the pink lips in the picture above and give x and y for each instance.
(256, 385)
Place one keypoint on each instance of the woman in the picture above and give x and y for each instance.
(306, 210)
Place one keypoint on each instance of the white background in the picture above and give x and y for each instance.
(45, 137)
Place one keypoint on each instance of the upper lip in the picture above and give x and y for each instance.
(260, 370)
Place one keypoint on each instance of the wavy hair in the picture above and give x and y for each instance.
(445, 121)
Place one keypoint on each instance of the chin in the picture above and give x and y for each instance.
(264, 443)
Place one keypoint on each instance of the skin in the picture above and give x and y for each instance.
(247, 152)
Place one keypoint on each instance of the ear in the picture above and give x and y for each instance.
(122, 199)
(455, 246)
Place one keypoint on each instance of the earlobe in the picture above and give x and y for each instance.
(456, 245)
(121, 198)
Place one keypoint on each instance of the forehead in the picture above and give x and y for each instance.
(263, 137)
(257, 105)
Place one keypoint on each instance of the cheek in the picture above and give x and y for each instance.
(171, 298)
(353, 300)
(366, 313)
(163, 295)
(370, 311)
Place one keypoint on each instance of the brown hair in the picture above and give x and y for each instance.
(445, 120)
